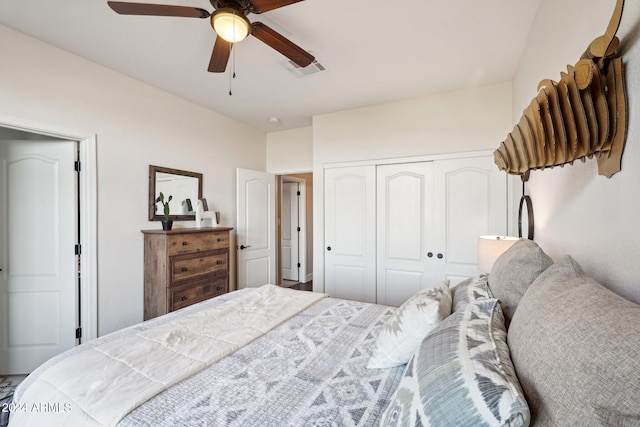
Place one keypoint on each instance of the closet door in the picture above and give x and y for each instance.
(405, 228)
(350, 233)
(471, 197)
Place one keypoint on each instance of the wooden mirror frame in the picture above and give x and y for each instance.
(153, 170)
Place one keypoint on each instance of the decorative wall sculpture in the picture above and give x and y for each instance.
(584, 115)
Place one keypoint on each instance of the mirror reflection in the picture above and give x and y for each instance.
(184, 186)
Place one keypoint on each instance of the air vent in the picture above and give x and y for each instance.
(313, 68)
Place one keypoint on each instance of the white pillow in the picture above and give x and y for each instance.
(404, 331)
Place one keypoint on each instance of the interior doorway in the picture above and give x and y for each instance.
(38, 317)
(295, 229)
(290, 230)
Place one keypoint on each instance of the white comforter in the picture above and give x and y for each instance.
(98, 387)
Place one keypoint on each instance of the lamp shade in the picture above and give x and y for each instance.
(230, 25)
(490, 248)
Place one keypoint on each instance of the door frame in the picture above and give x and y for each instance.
(87, 192)
(302, 223)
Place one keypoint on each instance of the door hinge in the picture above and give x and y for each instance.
(78, 249)
(78, 333)
(299, 265)
(298, 229)
(77, 165)
(298, 193)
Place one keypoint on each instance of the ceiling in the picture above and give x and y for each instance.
(371, 52)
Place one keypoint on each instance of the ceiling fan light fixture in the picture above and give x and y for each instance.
(230, 24)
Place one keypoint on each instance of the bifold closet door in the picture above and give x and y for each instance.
(471, 196)
(350, 233)
(405, 230)
(392, 230)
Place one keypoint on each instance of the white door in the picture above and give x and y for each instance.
(290, 231)
(256, 200)
(405, 230)
(472, 201)
(38, 233)
(350, 233)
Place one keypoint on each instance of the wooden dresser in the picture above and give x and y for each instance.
(183, 267)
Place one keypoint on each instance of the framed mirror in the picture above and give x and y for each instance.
(184, 186)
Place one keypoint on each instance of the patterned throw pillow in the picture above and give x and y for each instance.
(468, 291)
(461, 375)
(412, 321)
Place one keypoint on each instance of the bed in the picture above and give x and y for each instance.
(555, 348)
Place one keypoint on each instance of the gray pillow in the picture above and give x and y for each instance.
(514, 271)
(461, 375)
(576, 349)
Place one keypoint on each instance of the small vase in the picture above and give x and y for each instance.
(167, 224)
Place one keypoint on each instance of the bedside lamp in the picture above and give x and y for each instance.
(490, 248)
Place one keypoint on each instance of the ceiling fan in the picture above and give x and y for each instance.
(230, 22)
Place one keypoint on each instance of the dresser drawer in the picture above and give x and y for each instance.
(196, 242)
(193, 292)
(186, 267)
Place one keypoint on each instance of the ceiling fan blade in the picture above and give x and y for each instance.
(220, 55)
(124, 8)
(261, 6)
(281, 44)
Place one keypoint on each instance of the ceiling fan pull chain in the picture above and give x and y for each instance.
(232, 74)
(234, 63)
(230, 93)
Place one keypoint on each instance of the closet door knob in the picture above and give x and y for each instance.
(328, 248)
(430, 254)
(440, 256)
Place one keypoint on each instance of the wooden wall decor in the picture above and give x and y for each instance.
(584, 115)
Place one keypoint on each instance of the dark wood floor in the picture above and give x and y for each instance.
(302, 286)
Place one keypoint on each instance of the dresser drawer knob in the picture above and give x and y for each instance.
(218, 288)
(218, 262)
(184, 268)
(218, 240)
(184, 243)
(183, 299)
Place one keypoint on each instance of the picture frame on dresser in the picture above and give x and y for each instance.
(183, 267)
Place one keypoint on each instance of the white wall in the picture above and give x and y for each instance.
(290, 151)
(470, 120)
(136, 125)
(578, 212)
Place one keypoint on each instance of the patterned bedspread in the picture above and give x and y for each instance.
(309, 371)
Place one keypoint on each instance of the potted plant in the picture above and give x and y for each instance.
(166, 222)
